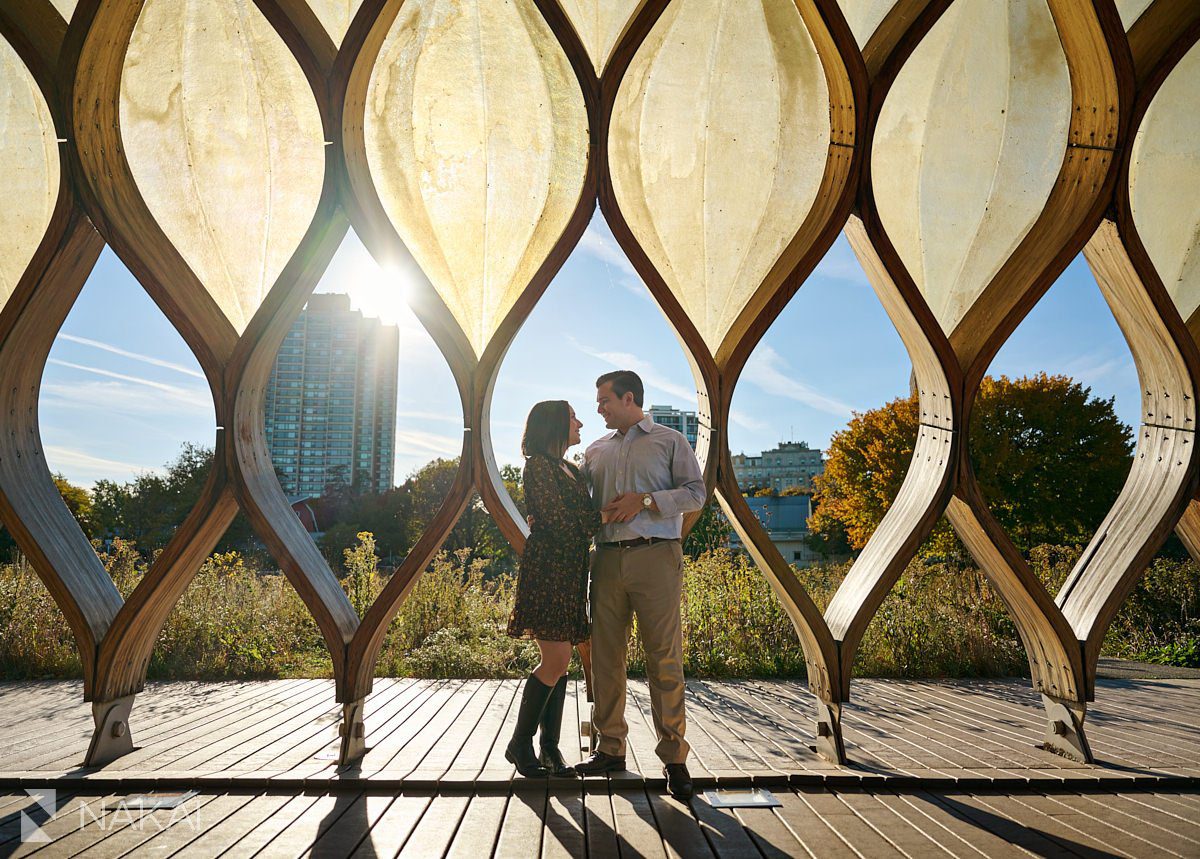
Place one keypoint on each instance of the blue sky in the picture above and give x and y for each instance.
(122, 391)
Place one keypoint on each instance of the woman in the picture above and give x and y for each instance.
(551, 602)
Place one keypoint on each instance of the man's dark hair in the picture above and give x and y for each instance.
(624, 382)
(547, 429)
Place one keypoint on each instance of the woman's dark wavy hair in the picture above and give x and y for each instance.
(547, 429)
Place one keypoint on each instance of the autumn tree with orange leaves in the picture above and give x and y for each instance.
(1050, 459)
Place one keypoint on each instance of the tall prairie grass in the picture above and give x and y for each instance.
(237, 622)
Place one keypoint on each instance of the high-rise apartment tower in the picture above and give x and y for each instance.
(331, 400)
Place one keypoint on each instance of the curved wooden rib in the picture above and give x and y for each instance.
(1163, 477)
(1100, 81)
(715, 375)
(107, 186)
(248, 457)
(927, 484)
(30, 504)
(475, 376)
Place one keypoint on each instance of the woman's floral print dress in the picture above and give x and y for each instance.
(551, 602)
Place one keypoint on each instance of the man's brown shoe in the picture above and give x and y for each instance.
(679, 781)
(601, 762)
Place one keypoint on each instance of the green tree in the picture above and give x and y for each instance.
(1050, 459)
(147, 510)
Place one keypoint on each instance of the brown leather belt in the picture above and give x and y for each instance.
(640, 541)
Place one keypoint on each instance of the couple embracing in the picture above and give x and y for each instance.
(630, 495)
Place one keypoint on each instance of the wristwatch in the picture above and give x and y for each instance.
(647, 500)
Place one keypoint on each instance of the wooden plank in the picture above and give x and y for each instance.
(433, 834)
(304, 831)
(817, 838)
(352, 828)
(562, 834)
(192, 749)
(1136, 810)
(414, 721)
(724, 720)
(1105, 827)
(466, 699)
(952, 833)
(686, 834)
(893, 828)
(599, 823)
(487, 736)
(225, 833)
(841, 819)
(442, 753)
(636, 828)
(276, 820)
(480, 828)
(65, 820)
(163, 723)
(1019, 825)
(522, 826)
(769, 833)
(393, 828)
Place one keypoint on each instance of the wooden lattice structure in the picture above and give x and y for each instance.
(969, 149)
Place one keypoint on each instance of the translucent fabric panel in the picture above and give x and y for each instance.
(28, 168)
(224, 141)
(719, 139)
(477, 137)
(66, 8)
(969, 144)
(335, 16)
(600, 24)
(1131, 10)
(1164, 183)
(864, 16)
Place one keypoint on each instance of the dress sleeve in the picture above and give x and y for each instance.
(587, 516)
(542, 498)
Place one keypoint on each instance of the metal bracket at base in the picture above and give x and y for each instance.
(111, 738)
(829, 743)
(1064, 729)
(353, 733)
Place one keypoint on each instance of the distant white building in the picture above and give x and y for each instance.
(678, 420)
(791, 465)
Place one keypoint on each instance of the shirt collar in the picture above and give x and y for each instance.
(645, 425)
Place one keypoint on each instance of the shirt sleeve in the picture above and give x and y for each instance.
(688, 491)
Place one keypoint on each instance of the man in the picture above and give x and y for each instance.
(645, 476)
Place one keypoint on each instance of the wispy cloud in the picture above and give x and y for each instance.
(1096, 366)
(410, 442)
(193, 397)
(768, 371)
(86, 468)
(599, 243)
(136, 356)
(653, 379)
(650, 376)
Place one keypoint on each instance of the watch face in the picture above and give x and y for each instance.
(647, 500)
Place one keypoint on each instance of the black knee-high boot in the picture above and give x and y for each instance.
(551, 758)
(520, 747)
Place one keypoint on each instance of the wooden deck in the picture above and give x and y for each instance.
(940, 768)
(426, 734)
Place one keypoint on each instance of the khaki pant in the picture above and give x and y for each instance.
(648, 581)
